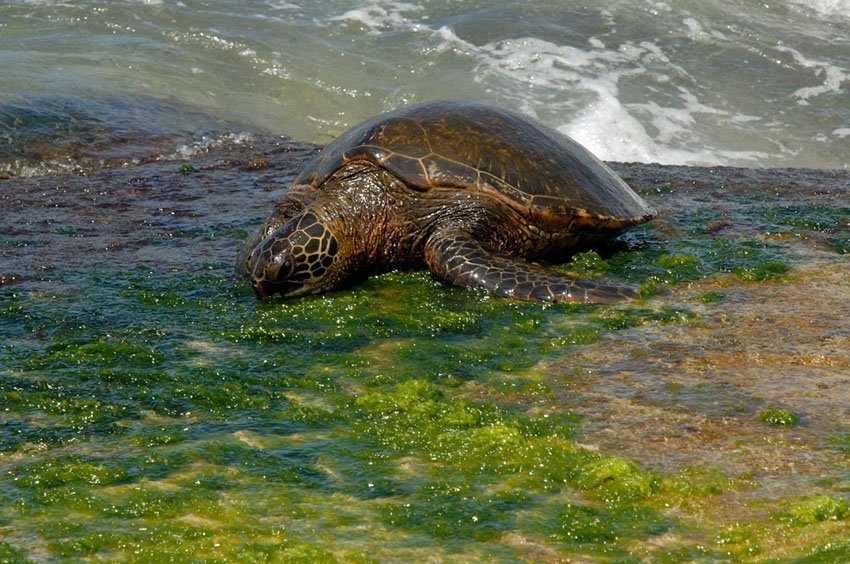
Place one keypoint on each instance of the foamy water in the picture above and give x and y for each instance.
(688, 82)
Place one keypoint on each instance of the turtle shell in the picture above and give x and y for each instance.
(473, 146)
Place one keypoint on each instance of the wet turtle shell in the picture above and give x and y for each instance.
(472, 146)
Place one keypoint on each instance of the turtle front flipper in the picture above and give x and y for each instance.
(461, 260)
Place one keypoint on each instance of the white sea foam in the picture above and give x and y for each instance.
(283, 6)
(380, 15)
(827, 8)
(833, 77)
(207, 143)
(584, 88)
(608, 130)
(696, 32)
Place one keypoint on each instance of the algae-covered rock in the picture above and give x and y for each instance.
(153, 410)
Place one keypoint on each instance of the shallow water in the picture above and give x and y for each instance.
(153, 409)
(671, 81)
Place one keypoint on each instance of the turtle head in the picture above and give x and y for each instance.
(296, 259)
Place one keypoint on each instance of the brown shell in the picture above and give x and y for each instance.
(472, 146)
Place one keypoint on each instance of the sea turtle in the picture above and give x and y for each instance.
(470, 191)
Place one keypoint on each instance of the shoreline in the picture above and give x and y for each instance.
(254, 174)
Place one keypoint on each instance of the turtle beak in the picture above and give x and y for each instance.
(265, 288)
(260, 290)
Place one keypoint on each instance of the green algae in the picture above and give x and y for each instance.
(300, 400)
(337, 397)
(840, 245)
(779, 417)
(834, 552)
(805, 217)
(815, 509)
(9, 553)
(771, 270)
(318, 399)
(817, 522)
(602, 531)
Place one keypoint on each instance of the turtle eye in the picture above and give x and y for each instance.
(284, 267)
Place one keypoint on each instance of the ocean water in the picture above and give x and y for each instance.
(693, 82)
